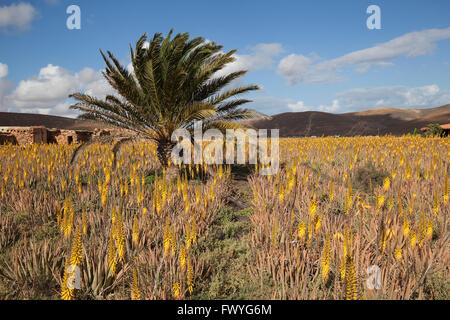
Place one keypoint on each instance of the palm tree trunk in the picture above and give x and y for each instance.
(164, 151)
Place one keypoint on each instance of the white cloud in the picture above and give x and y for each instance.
(3, 70)
(17, 16)
(6, 86)
(361, 99)
(261, 57)
(334, 107)
(48, 91)
(394, 96)
(301, 69)
(364, 67)
(297, 69)
(300, 106)
(47, 88)
(274, 105)
(269, 105)
(130, 68)
(93, 83)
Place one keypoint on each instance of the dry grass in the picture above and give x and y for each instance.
(337, 206)
(399, 225)
(134, 217)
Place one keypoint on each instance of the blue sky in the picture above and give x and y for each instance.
(306, 55)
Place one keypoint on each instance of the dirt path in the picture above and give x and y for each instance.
(227, 250)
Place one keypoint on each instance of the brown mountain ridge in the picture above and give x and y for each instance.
(12, 119)
(378, 121)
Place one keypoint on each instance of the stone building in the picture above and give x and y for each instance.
(68, 136)
(23, 135)
(26, 135)
(445, 129)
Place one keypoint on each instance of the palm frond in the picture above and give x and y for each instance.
(174, 83)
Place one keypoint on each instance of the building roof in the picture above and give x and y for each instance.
(443, 126)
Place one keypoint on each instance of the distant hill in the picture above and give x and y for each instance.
(379, 121)
(310, 123)
(11, 119)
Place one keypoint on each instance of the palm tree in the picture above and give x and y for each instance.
(174, 82)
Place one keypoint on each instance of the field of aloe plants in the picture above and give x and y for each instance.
(343, 218)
